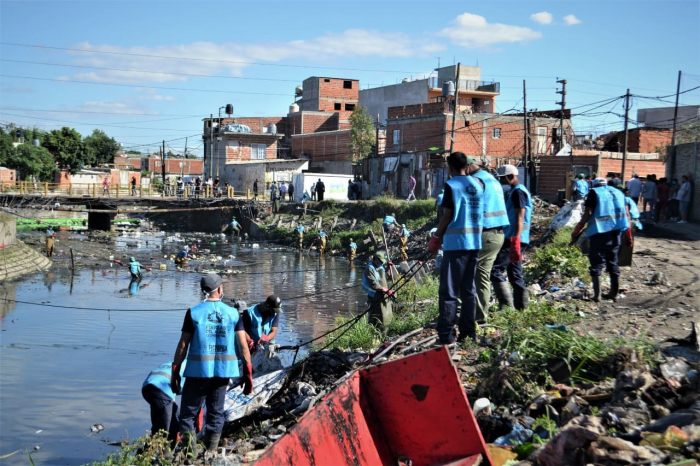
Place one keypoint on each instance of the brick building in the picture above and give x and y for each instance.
(643, 140)
(173, 166)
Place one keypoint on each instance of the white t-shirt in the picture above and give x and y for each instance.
(684, 193)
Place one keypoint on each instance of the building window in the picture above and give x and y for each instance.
(347, 84)
(349, 107)
(496, 133)
(397, 137)
(326, 80)
(337, 106)
(257, 151)
(487, 102)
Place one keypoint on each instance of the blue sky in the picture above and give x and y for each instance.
(261, 50)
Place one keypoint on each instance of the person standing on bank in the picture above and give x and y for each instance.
(255, 189)
(459, 233)
(320, 189)
(609, 215)
(495, 220)
(214, 341)
(158, 393)
(580, 188)
(509, 262)
(375, 285)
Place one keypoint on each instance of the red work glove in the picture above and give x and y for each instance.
(385, 290)
(516, 254)
(627, 237)
(265, 338)
(175, 380)
(247, 379)
(391, 293)
(434, 244)
(199, 422)
(251, 343)
(577, 232)
(390, 263)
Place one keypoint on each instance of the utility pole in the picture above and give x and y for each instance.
(182, 165)
(561, 117)
(211, 141)
(526, 136)
(675, 122)
(162, 161)
(376, 139)
(454, 112)
(624, 150)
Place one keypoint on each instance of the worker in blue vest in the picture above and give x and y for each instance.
(214, 341)
(262, 321)
(158, 393)
(389, 223)
(50, 237)
(321, 239)
(607, 215)
(495, 220)
(580, 188)
(403, 242)
(352, 249)
(182, 256)
(438, 204)
(633, 208)
(378, 293)
(299, 231)
(459, 233)
(509, 262)
(134, 268)
(235, 227)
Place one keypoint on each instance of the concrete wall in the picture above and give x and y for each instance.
(336, 185)
(338, 168)
(242, 176)
(8, 229)
(688, 163)
(379, 99)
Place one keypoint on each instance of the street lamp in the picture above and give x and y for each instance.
(229, 112)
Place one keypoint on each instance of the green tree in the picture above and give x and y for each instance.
(361, 134)
(68, 148)
(102, 147)
(6, 148)
(30, 160)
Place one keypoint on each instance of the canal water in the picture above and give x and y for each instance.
(66, 369)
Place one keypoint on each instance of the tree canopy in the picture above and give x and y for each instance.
(28, 159)
(101, 147)
(68, 148)
(361, 134)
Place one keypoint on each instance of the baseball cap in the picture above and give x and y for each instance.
(471, 160)
(381, 255)
(506, 170)
(273, 302)
(210, 282)
(600, 182)
(581, 175)
(132, 259)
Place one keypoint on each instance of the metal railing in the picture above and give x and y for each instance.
(468, 85)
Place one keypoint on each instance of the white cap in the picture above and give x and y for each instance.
(506, 170)
(600, 182)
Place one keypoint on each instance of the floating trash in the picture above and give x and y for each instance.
(96, 428)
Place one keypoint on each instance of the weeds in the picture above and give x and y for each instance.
(559, 256)
(361, 335)
(420, 306)
(141, 452)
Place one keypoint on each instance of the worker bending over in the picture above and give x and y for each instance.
(375, 285)
(182, 256)
(235, 228)
(262, 320)
(321, 238)
(158, 393)
(389, 223)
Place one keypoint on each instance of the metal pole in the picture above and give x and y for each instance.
(211, 140)
(377, 136)
(454, 112)
(525, 135)
(162, 160)
(624, 150)
(675, 122)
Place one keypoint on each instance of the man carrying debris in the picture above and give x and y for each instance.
(214, 341)
(134, 268)
(50, 236)
(605, 208)
(459, 233)
(374, 284)
(352, 249)
(262, 320)
(509, 262)
(158, 393)
(579, 188)
(235, 227)
(495, 220)
(300, 236)
(403, 245)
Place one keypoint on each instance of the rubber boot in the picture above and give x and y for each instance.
(596, 288)
(503, 294)
(614, 287)
(211, 441)
(522, 299)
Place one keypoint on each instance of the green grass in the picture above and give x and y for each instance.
(361, 335)
(140, 452)
(558, 256)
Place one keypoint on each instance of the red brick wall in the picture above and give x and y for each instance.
(134, 162)
(333, 92)
(316, 122)
(172, 166)
(640, 167)
(8, 175)
(294, 124)
(416, 135)
(325, 147)
(641, 140)
(243, 150)
(418, 109)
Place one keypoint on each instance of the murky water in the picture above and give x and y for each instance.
(63, 370)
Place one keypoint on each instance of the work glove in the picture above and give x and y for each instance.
(391, 293)
(434, 244)
(247, 379)
(516, 254)
(251, 343)
(627, 237)
(385, 290)
(577, 232)
(199, 421)
(390, 263)
(175, 380)
(264, 339)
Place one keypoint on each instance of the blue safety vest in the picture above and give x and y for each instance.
(353, 246)
(582, 187)
(213, 350)
(634, 210)
(234, 223)
(495, 214)
(464, 231)
(439, 199)
(259, 325)
(160, 377)
(610, 212)
(365, 284)
(134, 267)
(300, 229)
(513, 218)
(322, 234)
(388, 220)
(405, 233)
(50, 232)
(182, 254)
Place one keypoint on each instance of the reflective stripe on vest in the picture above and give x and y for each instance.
(365, 284)
(513, 218)
(259, 325)
(213, 350)
(634, 210)
(495, 214)
(160, 377)
(610, 212)
(464, 231)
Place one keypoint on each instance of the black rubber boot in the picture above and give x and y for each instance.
(596, 288)
(522, 299)
(211, 441)
(503, 294)
(614, 287)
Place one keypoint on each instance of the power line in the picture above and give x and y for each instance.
(93, 124)
(98, 113)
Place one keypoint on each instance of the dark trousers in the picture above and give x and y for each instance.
(163, 411)
(319, 195)
(603, 250)
(457, 273)
(201, 391)
(502, 267)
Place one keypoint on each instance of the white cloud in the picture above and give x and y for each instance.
(570, 20)
(152, 94)
(473, 31)
(543, 17)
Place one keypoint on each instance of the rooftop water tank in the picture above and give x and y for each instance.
(406, 80)
(272, 128)
(298, 91)
(229, 109)
(448, 89)
(294, 108)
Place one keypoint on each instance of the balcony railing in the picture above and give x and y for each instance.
(468, 85)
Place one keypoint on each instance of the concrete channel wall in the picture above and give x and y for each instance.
(16, 258)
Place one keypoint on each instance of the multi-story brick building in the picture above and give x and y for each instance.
(174, 166)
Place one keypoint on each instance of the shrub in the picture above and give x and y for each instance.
(559, 256)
